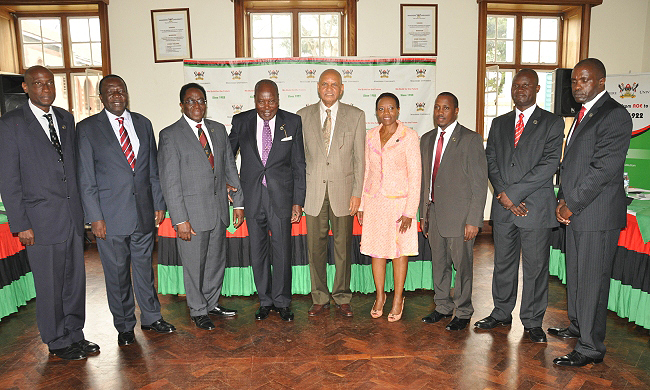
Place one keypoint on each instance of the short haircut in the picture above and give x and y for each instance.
(452, 96)
(331, 70)
(110, 76)
(529, 72)
(267, 82)
(35, 68)
(596, 64)
(185, 87)
(387, 94)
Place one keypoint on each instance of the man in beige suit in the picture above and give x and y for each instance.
(334, 135)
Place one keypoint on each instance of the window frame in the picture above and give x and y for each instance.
(67, 69)
(346, 8)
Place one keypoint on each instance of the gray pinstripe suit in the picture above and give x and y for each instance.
(592, 187)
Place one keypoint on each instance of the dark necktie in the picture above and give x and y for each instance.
(266, 145)
(206, 146)
(436, 161)
(53, 137)
(519, 128)
(125, 143)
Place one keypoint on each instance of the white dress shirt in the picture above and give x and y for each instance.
(40, 116)
(323, 115)
(445, 141)
(196, 130)
(260, 128)
(128, 125)
(587, 107)
(527, 114)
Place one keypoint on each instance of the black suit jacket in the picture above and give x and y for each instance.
(285, 167)
(39, 191)
(110, 189)
(526, 172)
(591, 172)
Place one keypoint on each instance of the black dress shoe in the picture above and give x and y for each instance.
(222, 312)
(575, 359)
(490, 322)
(565, 333)
(285, 313)
(457, 324)
(435, 317)
(203, 322)
(71, 352)
(87, 346)
(536, 334)
(160, 326)
(263, 312)
(125, 338)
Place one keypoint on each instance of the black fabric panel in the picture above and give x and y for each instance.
(632, 268)
(13, 268)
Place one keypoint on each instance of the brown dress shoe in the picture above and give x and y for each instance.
(317, 309)
(345, 310)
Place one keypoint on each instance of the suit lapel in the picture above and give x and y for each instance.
(63, 129)
(337, 137)
(585, 120)
(216, 143)
(509, 130)
(107, 131)
(139, 127)
(35, 129)
(314, 120)
(530, 128)
(278, 134)
(252, 136)
(428, 158)
(450, 149)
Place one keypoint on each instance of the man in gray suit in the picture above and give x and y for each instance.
(196, 168)
(123, 202)
(334, 134)
(523, 153)
(591, 203)
(454, 188)
(38, 183)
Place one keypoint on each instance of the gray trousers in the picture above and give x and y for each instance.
(446, 251)
(317, 241)
(60, 281)
(589, 259)
(204, 264)
(534, 246)
(121, 256)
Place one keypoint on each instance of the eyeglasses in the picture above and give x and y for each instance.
(191, 102)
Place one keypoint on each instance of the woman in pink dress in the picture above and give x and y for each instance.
(389, 202)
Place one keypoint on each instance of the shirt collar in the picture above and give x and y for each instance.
(112, 117)
(37, 111)
(192, 123)
(334, 107)
(593, 101)
(449, 128)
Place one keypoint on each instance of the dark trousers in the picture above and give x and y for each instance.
(534, 246)
(121, 255)
(204, 265)
(589, 259)
(318, 228)
(446, 251)
(60, 280)
(273, 288)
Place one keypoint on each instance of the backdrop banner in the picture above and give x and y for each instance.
(633, 92)
(230, 84)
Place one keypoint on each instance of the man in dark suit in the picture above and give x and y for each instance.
(273, 179)
(38, 183)
(454, 188)
(196, 167)
(334, 134)
(591, 203)
(523, 153)
(123, 202)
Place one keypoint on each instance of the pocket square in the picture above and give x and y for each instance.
(289, 138)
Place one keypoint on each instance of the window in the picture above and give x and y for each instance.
(513, 42)
(306, 28)
(70, 45)
(531, 34)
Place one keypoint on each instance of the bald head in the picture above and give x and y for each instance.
(330, 87)
(39, 85)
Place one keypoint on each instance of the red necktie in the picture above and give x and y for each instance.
(206, 146)
(519, 128)
(581, 114)
(436, 162)
(125, 142)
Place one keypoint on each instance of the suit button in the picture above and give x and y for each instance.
(67, 197)
(60, 160)
(324, 181)
(64, 179)
(512, 165)
(133, 173)
(328, 163)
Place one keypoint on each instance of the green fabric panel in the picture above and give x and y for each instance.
(361, 279)
(300, 280)
(557, 265)
(170, 279)
(629, 303)
(16, 294)
(642, 210)
(238, 281)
